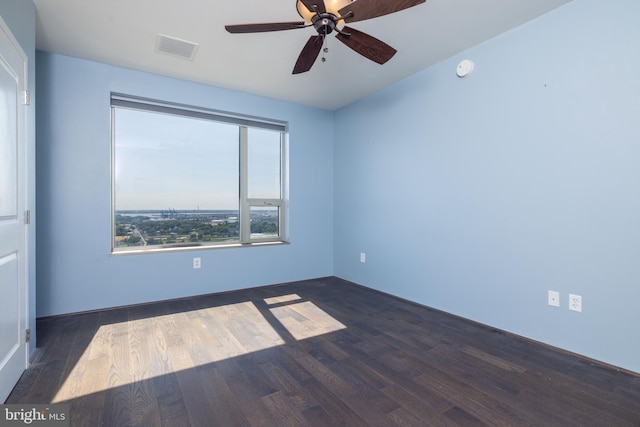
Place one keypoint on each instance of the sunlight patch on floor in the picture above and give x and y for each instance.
(122, 353)
(281, 299)
(138, 350)
(305, 320)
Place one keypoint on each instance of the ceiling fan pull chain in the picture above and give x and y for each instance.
(324, 42)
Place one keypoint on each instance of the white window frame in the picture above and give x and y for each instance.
(245, 203)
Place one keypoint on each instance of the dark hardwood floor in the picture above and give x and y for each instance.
(321, 352)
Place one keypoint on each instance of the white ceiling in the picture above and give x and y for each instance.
(124, 33)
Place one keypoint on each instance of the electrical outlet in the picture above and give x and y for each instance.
(554, 298)
(363, 257)
(196, 263)
(575, 302)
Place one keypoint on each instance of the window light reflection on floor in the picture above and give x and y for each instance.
(303, 319)
(138, 350)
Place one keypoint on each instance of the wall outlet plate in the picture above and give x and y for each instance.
(196, 263)
(575, 302)
(554, 298)
(363, 257)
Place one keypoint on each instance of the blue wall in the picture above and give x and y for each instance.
(76, 271)
(477, 195)
(20, 16)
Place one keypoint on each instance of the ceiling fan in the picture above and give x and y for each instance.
(327, 16)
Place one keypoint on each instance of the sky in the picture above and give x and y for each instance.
(170, 162)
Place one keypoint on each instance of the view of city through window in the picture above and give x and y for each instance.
(187, 228)
(181, 180)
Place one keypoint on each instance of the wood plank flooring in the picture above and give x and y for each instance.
(322, 352)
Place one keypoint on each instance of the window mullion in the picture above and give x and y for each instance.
(245, 210)
(283, 178)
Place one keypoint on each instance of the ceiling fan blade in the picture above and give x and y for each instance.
(262, 28)
(314, 5)
(308, 55)
(367, 9)
(366, 45)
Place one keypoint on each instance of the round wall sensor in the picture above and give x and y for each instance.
(464, 68)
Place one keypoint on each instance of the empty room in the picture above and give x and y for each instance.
(320, 213)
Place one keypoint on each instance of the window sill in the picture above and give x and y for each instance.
(157, 250)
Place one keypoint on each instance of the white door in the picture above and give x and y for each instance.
(13, 231)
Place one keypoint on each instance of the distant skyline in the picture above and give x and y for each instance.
(177, 210)
(171, 162)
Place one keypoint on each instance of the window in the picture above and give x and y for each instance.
(190, 177)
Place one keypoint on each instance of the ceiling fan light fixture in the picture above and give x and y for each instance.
(332, 7)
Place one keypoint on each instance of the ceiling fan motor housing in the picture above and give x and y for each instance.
(324, 23)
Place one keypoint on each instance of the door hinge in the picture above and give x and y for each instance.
(27, 335)
(27, 217)
(26, 97)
